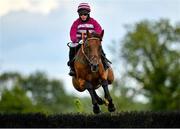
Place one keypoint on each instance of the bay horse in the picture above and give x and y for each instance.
(90, 72)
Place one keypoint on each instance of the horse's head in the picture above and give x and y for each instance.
(93, 49)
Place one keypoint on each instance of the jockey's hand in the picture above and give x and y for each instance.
(74, 44)
(71, 44)
(81, 42)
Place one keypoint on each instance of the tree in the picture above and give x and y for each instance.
(47, 95)
(48, 92)
(15, 101)
(152, 53)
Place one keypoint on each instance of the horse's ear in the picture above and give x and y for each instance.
(102, 33)
(88, 34)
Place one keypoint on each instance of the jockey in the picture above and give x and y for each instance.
(80, 25)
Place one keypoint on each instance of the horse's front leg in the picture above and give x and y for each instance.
(111, 107)
(90, 88)
(100, 101)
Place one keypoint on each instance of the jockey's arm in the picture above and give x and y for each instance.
(73, 31)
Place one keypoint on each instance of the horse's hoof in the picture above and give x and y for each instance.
(111, 108)
(96, 109)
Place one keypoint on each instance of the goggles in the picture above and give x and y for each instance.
(85, 14)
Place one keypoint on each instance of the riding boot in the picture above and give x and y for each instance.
(104, 60)
(71, 61)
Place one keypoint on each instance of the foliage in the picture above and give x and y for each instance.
(151, 51)
(35, 91)
(15, 100)
(78, 105)
(124, 98)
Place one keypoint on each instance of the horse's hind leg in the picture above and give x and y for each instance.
(96, 108)
(111, 107)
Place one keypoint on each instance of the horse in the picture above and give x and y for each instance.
(90, 72)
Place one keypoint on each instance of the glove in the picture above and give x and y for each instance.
(81, 42)
(71, 44)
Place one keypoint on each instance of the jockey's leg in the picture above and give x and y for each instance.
(104, 59)
(71, 61)
(72, 53)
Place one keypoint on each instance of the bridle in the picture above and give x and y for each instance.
(85, 54)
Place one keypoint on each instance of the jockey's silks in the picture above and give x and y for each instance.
(79, 27)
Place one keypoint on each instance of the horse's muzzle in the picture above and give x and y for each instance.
(94, 67)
